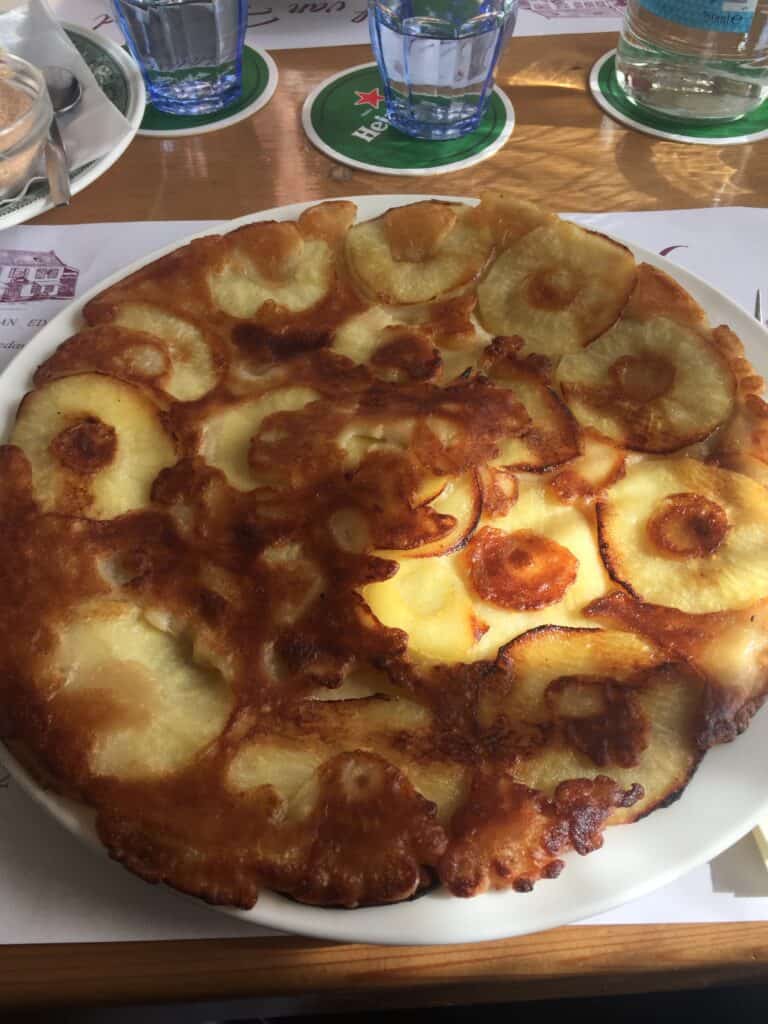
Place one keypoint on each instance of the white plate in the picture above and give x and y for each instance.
(133, 115)
(726, 798)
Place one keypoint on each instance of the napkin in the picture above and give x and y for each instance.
(95, 127)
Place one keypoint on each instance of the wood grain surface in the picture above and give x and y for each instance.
(564, 151)
(568, 154)
(305, 975)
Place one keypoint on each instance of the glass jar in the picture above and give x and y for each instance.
(25, 119)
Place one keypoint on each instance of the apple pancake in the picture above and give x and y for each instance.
(348, 559)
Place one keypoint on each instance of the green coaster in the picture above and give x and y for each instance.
(259, 82)
(609, 95)
(345, 118)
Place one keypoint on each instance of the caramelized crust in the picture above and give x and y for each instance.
(141, 359)
(415, 233)
(552, 436)
(688, 525)
(520, 570)
(311, 540)
(614, 729)
(657, 294)
(508, 832)
(420, 252)
(86, 446)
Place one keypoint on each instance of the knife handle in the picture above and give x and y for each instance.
(56, 166)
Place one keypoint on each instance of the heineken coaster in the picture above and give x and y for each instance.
(609, 95)
(259, 82)
(345, 118)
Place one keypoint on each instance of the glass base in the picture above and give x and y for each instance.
(677, 113)
(435, 117)
(677, 87)
(430, 130)
(191, 96)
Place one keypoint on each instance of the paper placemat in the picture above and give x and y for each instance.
(609, 95)
(345, 118)
(259, 83)
(290, 25)
(52, 888)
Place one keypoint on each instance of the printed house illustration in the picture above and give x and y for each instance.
(26, 275)
(575, 8)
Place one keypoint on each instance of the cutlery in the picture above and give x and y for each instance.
(65, 91)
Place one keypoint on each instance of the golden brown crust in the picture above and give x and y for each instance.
(614, 731)
(585, 478)
(389, 833)
(521, 570)
(552, 437)
(206, 481)
(732, 695)
(108, 349)
(657, 294)
(85, 446)
(414, 233)
(508, 833)
(688, 525)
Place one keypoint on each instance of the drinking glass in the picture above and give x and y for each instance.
(190, 51)
(438, 60)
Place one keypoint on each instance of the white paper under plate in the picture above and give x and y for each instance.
(727, 796)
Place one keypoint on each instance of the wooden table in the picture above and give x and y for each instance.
(566, 152)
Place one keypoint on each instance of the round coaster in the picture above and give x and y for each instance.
(345, 118)
(610, 96)
(259, 82)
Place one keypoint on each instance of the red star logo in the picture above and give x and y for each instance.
(372, 98)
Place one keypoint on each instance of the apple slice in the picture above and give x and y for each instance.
(227, 434)
(460, 497)
(94, 443)
(428, 490)
(608, 703)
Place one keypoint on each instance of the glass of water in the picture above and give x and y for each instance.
(190, 51)
(438, 60)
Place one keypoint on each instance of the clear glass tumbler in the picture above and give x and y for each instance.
(438, 60)
(189, 51)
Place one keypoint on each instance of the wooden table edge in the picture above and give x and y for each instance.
(571, 961)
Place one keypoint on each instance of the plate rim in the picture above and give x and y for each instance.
(436, 917)
(134, 115)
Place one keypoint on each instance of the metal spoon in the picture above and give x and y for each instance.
(65, 91)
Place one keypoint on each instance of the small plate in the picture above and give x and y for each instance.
(121, 81)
